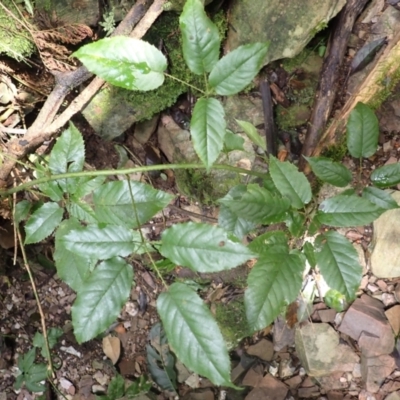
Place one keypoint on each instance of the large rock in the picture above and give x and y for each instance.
(320, 353)
(287, 24)
(365, 321)
(385, 257)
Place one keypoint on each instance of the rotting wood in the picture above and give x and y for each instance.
(270, 131)
(328, 83)
(141, 16)
(387, 64)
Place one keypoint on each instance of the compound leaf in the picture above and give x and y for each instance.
(194, 334)
(207, 128)
(129, 63)
(338, 262)
(200, 38)
(290, 182)
(100, 300)
(236, 70)
(362, 131)
(113, 203)
(43, 222)
(329, 171)
(273, 283)
(202, 247)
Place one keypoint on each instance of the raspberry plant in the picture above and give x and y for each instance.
(96, 223)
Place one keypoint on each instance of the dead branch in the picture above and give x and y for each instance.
(328, 84)
(46, 124)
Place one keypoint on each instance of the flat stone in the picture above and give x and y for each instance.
(253, 376)
(277, 389)
(385, 255)
(293, 382)
(333, 381)
(310, 392)
(283, 335)
(204, 394)
(327, 315)
(334, 395)
(393, 396)
(264, 349)
(375, 370)
(319, 351)
(365, 321)
(290, 25)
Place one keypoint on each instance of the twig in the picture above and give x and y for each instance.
(45, 125)
(327, 86)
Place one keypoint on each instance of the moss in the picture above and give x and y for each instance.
(146, 104)
(14, 39)
(337, 151)
(388, 85)
(231, 318)
(291, 117)
(203, 187)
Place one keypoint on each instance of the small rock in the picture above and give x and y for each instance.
(310, 392)
(388, 299)
(393, 315)
(293, 382)
(204, 394)
(277, 389)
(101, 378)
(387, 146)
(327, 315)
(98, 389)
(393, 396)
(365, 321)
(264, 350)
(375, 370)
(253, 377)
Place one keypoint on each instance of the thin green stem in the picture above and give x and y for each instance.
(125, 171)
(41, 313)
(185, 83)
(141, 234)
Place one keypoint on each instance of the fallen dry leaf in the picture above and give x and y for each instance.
(112, 348)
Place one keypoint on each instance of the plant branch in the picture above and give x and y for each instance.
(109, 172)
(46, 124)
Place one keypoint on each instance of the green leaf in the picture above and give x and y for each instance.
(116, 388)
(113, 203)
(72, 268)
(290, 182)
(87, 185)
(81, 210)
(207, 128)
(338, 262)
(232, 141)
(350, 210)
(100, 300)
(229, 220)
(308, 250)
(335, 300)
(160, 360)
(386, 176)
(26, 361)
(125, 62)
(270, 242)
(258, 205)
(362, 131)
(329, 171)
(273, 283)
(43, 222)
(22, 209)
(296, 223)
(202, 247)
(68, 155)
(379, 197)
(251, 131)
(236, 70)
(53, 335)
(102, 242)
(200, 38)
(193, 333)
